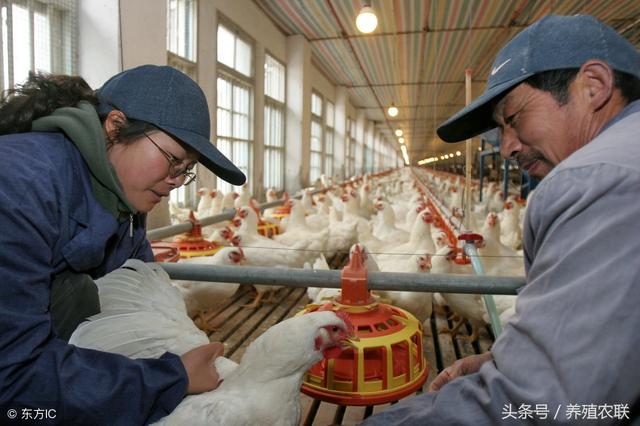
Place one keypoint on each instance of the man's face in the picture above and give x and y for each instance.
(537, 131)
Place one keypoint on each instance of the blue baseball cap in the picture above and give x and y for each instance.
(552, 43)
(173, 102)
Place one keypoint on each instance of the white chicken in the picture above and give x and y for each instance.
(498, 259)
(298, 230)
(510, 231)
(386, 228)
(204, 204)
(178, 214)
(201, 295)
(420, 304)
(468, 306)
(216, 202)
(228, 201)
(420, 240)
(244, 197)
(263, 389)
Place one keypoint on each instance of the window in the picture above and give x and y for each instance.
(181, 54)
(235, 100)
(315, 164)
(181, 36)
(181, 28)
(38, 36)
(234, 51)
(368, 152)
(328, 139)
(235, 138)
(350, 154)
(274, 119)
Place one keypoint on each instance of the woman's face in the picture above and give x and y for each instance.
(143, 169)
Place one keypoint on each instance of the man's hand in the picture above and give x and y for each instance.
(201, 372)
(461, 367)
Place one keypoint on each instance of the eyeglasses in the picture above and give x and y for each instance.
(176, 168)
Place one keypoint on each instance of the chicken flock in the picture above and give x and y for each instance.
(389, 217)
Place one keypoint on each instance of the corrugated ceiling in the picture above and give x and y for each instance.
(417, 56)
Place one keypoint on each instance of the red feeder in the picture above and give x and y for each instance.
(164, 252)
(386, 363)
(192, 244)
(284, 210)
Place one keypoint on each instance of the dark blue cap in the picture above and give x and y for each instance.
(173, 102)
(552, 43)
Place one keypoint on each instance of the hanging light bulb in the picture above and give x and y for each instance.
(398, 132)
(367, 21)
(392, 111)
(401, 140)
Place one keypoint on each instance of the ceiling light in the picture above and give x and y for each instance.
(398, 132)
(366, 21)
(458, 153)
(401, 140)
(392, 111)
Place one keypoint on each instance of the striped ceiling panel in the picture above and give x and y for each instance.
(364, 95)
(337, 58)
(417, 56)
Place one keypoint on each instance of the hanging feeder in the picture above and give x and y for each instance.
(265, 228)
(164, 252)
(284, 210)
(385, 364)
(192, 244)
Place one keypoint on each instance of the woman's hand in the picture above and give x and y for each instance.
(201, 372)
(461, 367)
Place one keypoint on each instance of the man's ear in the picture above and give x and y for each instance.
(598, 83)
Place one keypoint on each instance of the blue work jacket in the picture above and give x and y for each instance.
(50, 222)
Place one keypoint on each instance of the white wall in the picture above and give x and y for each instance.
(144, 32)
(98, 41)
(320, 83)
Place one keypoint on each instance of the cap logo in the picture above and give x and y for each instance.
(495, 70)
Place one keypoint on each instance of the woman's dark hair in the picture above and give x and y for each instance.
(557, 83)
(43, 93)
(39, 96)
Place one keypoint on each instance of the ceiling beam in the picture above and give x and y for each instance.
(413, 83)
(422, 31)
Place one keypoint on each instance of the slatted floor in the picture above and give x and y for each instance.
(237, 327)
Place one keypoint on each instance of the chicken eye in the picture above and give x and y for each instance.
(335, 329)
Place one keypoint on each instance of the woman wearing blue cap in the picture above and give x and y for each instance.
(80, 170)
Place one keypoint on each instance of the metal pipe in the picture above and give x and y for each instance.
(293, 277)
(469, 157)
(168, 231)
(471, 251)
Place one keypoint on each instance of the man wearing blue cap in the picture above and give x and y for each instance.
(79, 171)
(565, 93)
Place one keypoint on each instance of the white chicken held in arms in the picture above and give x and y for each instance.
(264, 389)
